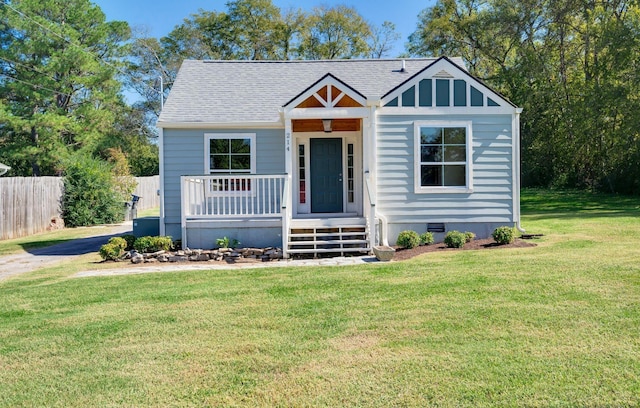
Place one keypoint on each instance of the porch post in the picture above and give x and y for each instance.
(287, 205)
(183, 211)
(369, 151)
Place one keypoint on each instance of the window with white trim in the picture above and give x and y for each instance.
(228, 154)
(443, 157)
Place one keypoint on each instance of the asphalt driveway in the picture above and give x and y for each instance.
(12, 265)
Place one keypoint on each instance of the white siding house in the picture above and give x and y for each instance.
(334, 156)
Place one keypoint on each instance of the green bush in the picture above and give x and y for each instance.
(469, 236)
(455, 239)
(89, 197)
(408, 239)
(162, 243)
(111, 251)
(119, 241)
(504, 235)
(152, 244)
(130, 240)
(426, 238)
(143, 244)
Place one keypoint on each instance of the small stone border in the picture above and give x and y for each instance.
(228, 255)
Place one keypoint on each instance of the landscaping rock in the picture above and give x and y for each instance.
(200, 255)
(199, 258)
(137, 258)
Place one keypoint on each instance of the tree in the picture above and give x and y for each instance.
(334, 33)
(287, 36)
(254, 26)
(132, 134)
(58, 64)
(382, 39)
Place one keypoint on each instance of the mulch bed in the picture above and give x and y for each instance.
(477, 244)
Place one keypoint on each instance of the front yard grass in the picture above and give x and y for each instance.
(554, 325)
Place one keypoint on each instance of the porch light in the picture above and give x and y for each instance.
(326, 124)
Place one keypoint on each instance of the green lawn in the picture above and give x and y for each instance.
(554, 325)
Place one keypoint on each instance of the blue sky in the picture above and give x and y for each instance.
(161, 16)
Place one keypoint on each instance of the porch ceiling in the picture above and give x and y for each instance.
(315, 125)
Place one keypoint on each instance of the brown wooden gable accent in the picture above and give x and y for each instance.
(316, 101)
(315, 125)
(347, 102)
(311, 102)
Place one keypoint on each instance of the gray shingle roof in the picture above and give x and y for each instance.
(254, 91)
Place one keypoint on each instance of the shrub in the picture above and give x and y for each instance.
(469, 236)
(162, 244)
(408, 239)
(130, 240)
(119, 241)
(504, 235)
(89, 197)
(455, 239)
(426, 238)
(226, 242)
(111, 251)
(152, 244)
(143, 244)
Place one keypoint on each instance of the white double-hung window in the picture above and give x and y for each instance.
(230, 154)
(443, 157)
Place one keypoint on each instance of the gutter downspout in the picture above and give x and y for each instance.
(516, 166)
(384, 229)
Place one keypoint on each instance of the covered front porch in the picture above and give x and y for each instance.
(259, 210)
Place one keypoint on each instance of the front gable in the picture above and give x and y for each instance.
(328, 92)
(443, 84)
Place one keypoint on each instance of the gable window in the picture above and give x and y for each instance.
(442, 157)
(230, 154)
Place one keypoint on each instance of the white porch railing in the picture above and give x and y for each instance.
(224, 196)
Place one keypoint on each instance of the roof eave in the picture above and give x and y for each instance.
(221, 125)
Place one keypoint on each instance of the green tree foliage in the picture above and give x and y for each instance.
(58, 86)
(574, 68)
(335, 33)
(131, 134)
(89, 194)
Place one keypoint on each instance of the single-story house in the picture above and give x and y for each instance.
(335, 156)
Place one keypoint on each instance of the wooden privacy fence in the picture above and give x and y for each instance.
(148, 189)
(29, 204)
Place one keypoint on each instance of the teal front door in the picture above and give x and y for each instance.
(326, 175)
